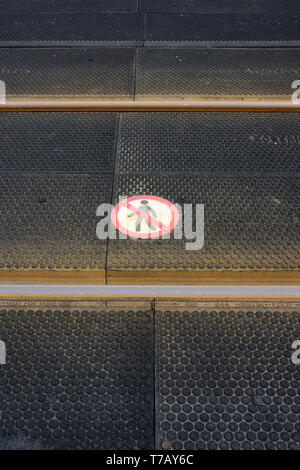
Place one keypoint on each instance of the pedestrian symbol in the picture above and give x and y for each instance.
(145, 216)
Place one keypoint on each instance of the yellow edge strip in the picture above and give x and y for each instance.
(221, 105)
(130, 277)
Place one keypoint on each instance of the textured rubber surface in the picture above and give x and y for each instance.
(208, 142)
(92, 375)
(222, 29)
(48, 222)
(242, 167)
(58, 143)
(219, 6)
(67, 6)
(251, 223)
(195, 73)
(71, 29)
(68, 73)
(226, 380)
(76, 378)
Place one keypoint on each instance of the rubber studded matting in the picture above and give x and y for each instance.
(52, 187)
(226, 379)
(67, 6)
(251, 223)
(64, 142)
(48, 222)
(217, 73)
(71, 29)
(219, 6)
(208, 142)
(76, 378)
(222, 29)
(70, 73)
(144, 374)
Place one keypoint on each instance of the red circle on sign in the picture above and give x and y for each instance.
(161, 228)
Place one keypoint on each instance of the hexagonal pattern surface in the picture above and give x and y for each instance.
(218, 6)
(250, 223)
(119, 374)
(217, 142)
(77, 28)
(49, 221)
(222, 29)
(226, 380)
(76, 378)
(68, 73)
(198, 73)
(67, 6)
(63, 142)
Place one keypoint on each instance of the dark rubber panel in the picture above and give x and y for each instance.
(226, 379)
(222, 29)
(251, 222)
(67, 6)
(48, 222)
(88, 73)
(216, 375)
(208, 142)
(76, 378)
(216, 73)
(219, 6)
(49, 142)
(81, 29)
